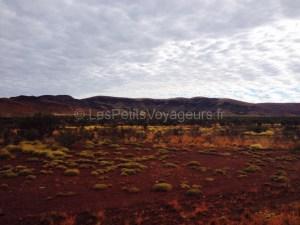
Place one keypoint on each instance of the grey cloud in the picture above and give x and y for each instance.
(290, 8)
(150, 48)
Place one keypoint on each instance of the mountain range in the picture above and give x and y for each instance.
(67, 105)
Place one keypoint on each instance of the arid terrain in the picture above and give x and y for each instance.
(67, 105)
(121, 174)
(149, 112)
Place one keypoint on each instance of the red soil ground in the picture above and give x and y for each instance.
(227, 194)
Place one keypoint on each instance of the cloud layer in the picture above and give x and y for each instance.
(247, 50)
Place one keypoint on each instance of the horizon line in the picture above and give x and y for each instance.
(147, 98)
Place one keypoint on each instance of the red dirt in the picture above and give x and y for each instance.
(25, 201)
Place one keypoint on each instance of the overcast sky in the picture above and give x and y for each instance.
(243, 49)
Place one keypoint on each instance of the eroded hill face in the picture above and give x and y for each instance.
(67, 105)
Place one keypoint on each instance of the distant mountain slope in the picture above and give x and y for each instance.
(66, 105)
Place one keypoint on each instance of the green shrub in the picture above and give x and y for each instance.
(9, 174)
(193, 192)
(251, 168)
(162, 187)
(220, 171)
(86, 154)
(61, 167)
(31, 177)
(30, 134)
(163, 151)
(25, 172)
(72, 172)
(210, 179)
(296, 150)
(5, 154)
(170, 165)
(106, 163)
(193, 164)
(264, 133)
(127, 172)
(130, 168)
(256, 147)
(94, 173)
(280, 177)
(37, 124)
(67, 138)
(66, 194)
(46, 172)
(89, 144)
(100, 187)
(131, 189)
(184, 185)
(196, 166)
(37, 148)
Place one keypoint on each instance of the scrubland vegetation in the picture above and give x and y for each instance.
(226, 172)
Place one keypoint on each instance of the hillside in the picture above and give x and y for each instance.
(67, 105)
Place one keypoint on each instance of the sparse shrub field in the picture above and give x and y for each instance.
(129, 174)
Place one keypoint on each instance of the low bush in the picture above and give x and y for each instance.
(193, 192)
(210, 179)
(162, 187)
(86, 154)
(71, 172)
(264, 133)
(100, 187)
(296, 150)
(256, 147)
(8, 174)
(127, 172)
(131, 168)
(170, 165)
(280, 177)
(221, 171)
(185, 186)
(25, 172)
(31, 177)
(131, 189)
(66, 194)
(46, 172)
(193, 164)
(251, 168)
(36, 148)
(67, 138)
(94, 173)
(106, 163)
(5, 154)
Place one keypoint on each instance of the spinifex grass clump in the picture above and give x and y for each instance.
(162, 187)
(193, 192)
(101, 187)
(131, 189)
(256, 147)
(195, 165)
(280, 177)
(71, 172)
(192, 164)
(5, 154)
(170, 165)
(251, 168)
(131, 168)
(36, 148)
(11, 171)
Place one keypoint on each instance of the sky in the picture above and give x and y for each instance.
(242, 49)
